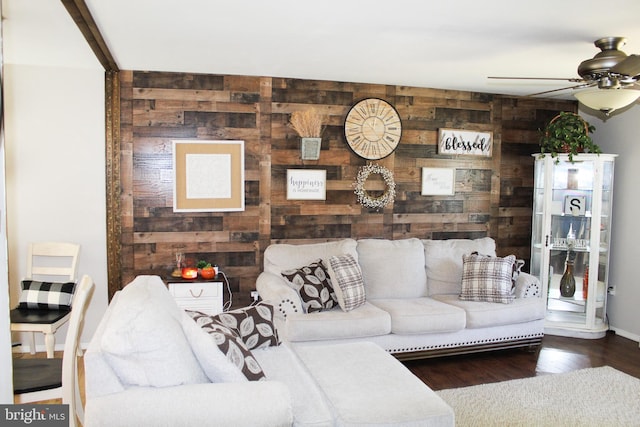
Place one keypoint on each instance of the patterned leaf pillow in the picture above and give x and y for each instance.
(487, 278)
(313, 284)
(253, 325)
(230, 344)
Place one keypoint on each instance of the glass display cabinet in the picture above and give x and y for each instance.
(571, 226)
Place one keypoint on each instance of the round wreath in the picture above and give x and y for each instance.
(363, 196)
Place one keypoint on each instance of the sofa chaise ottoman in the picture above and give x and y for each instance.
(150, 364)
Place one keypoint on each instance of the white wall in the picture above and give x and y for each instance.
(55, 172)
(620, 134)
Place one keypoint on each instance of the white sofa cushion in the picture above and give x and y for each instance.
(443, 260)
(310, 407)
(368, 387)
(144, 341)
(279, 257)
(365, 321)
(392, 268)
(422, 315)
(486, 314)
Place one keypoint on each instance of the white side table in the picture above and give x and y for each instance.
(201, 295)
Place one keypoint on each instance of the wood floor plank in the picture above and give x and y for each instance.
(555, 355)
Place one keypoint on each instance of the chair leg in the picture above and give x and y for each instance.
(32, 342)
(50, 344)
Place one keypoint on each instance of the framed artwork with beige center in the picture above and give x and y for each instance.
(208, 176)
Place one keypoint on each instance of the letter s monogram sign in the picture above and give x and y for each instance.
(575, 205)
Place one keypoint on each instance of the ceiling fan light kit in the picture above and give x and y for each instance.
(610, 77)
(607, 100)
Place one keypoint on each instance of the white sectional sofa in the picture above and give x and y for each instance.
(150, 364)
(412, 302)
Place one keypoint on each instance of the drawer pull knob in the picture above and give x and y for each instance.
(195, 296)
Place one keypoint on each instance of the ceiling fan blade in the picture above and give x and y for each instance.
(580, 86)
(575, 80)
(630, 66)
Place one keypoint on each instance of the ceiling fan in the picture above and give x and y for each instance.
(611, 73)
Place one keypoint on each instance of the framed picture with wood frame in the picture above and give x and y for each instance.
(208, 176)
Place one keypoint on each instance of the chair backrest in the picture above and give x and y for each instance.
(70, 381)
(53, 261)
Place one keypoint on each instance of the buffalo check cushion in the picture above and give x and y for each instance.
(46, 295)
(314, 286)
(347, 275)
(487, 279)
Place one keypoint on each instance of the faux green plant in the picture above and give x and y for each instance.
(568, 133)
(203, 264)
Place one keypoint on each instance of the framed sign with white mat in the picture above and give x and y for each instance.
(438, 181)
(208, 176)
(306, 184)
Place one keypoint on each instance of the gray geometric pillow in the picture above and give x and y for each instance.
(230, 344)
(313, 284)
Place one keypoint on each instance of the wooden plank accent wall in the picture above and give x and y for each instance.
(493, 195)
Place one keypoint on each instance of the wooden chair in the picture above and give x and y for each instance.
(51, 261)
(45, 379)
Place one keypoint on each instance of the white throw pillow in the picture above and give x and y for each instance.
(347, 278)
(144, 341)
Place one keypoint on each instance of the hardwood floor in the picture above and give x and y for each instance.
(555, 355)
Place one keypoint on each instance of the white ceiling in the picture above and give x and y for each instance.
(452, 44)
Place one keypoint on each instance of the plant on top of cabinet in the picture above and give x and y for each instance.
(568, 133)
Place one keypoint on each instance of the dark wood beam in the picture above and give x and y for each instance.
(82, 17)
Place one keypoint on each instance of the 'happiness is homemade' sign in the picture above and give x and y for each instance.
(306, 184)
(452, 141)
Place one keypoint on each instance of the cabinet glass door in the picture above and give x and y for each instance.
(571, 218)
(570, 239)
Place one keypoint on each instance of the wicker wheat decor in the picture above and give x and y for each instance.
(308, 125)
(364, 198)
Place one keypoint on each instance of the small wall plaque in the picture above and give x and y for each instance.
(310, 148)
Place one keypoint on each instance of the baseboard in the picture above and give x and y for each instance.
(625, 334)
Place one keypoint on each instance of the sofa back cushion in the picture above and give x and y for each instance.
(392, 268)
(280, 257)
(144, 342)
(443, 260)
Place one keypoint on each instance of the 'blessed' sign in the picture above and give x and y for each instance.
(452, 141)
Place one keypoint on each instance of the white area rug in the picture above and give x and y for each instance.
(588, 397)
